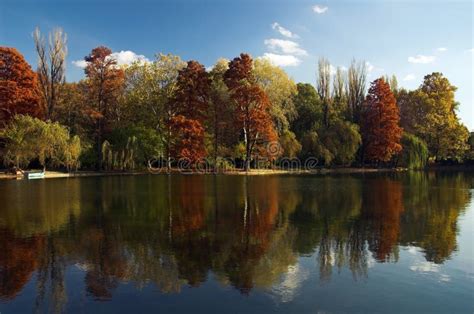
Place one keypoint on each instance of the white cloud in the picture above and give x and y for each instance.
(442, 49)
(283, 31)
(409, 77)
(281, 60)
(470, 50)
(422, 59)
(123, 58)
(320, 9)
(128, 57)
(285, 46)
(80, 63)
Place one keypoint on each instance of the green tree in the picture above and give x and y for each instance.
(28, 138)
(220, 114)
(280, 89)
(308, 108)
(149, 94)
(430, 112)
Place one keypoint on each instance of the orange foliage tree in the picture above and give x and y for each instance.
(252, 105)
(188, 140)
(105, 83)
(381, 131)
(19, 90)
(191, 102)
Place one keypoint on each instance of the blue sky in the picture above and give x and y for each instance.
(406, 38)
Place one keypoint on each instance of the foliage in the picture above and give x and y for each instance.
(191, 103)
(220, 121)
(430, 113)
(105, 84)
(251, 103)
(308, 107)
(19, 92)
(148, 143)
(290, 145)
(381, 132)
(189, 141)
(280, 89)
(28, 138)
(242, 109)
(120, 158)
(415, 152)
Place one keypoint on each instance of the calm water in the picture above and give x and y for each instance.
(231, 244)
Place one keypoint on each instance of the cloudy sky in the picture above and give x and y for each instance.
(405, 38)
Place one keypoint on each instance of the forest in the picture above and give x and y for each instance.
(240, 113)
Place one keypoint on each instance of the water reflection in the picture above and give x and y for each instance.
(248, 232)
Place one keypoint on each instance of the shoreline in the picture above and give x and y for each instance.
(253, 172)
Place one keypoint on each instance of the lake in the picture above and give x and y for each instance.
(397, 242)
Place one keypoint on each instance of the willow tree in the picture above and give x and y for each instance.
(51, 65)
(27, 138)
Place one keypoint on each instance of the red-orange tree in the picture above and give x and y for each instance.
(251, 105)
(19, 90)
(188, 140)
(105, 82)
(381, 131)
(191, 103)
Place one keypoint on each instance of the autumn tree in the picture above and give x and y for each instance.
(188, 139)
(51, 65)
(71, 108)
(430, 112)
(19, 92)
(251, 103)
(380, 119)
(105, 83)
(280, 89)
(191, 103)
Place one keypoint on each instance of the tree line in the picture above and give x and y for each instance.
(242, 110)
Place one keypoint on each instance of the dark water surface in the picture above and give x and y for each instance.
(234, 244)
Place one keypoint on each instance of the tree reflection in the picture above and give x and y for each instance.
(172, 231)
